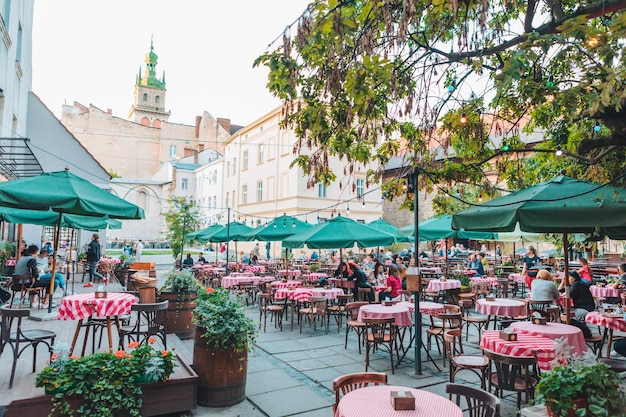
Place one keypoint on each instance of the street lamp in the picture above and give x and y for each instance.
(412, 186)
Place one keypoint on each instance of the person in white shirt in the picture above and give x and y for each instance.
(138, 250)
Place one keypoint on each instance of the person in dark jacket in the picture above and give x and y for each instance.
(581, 296)
(342, 271)
(93, 257)
(360, 279)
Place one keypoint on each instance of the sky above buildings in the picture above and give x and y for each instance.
(91, 51)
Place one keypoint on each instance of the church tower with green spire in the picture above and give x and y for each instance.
(149, 106)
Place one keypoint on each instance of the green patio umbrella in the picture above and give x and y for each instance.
(386, 227)
(278, 229)
(340, 232)
(64, 193)
(561, 205)
(50, 218)
(440, 227)
(234, 231)
(203, 235)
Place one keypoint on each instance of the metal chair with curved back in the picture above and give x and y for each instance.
(349, 382)
(380, 333)
(513, 374)
(150, 321)
(352, 312)
(11, 334)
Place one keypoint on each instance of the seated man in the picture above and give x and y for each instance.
(188, 262)
(201, 259)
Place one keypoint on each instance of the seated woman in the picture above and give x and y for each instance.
(544, 288)
(342, 271)
(377, 277)
(585, 272)
(581, 296)
(394, 284)
(360, 279)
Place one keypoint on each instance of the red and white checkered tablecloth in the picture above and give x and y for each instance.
(606, 291)
(374, 401)
(291, 273)
(303, 294)
(285, 284)
(526, 345)
(342, 283)
(516, 277)
(438, 285)
(615, 323)
(230, 281)
(254, 268)
(378, 311)
(314, 276)
(489, 280)
(572, 334)
(426, 307)
(501, 307)
(80, 306)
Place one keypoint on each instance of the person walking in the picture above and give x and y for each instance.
(139, 250)
(93, 257)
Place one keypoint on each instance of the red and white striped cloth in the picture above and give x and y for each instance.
(489, 280)
(80, 306)
(501, 307)
(254, 268)
(615, 323)
(426, 307)
(314, 276)
(526, 345)
(230, 281)
(606, 291)
(303, 294)
(375, 401)
(516, 277)
(291, 273)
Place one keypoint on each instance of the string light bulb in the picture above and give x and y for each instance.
(348, 208)
(559, 151)
(463, 119)
(294, 223)
(363, 201)
(480, 198)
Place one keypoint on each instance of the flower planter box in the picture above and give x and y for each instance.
(175, 395)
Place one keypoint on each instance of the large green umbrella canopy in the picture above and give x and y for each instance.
(386, 227)
(561, 205)
(337, 233)
(278, 229)
(437, 228)
(64, 192)
(235, 231)
(50, 218)
(517, 235)
(203, 235)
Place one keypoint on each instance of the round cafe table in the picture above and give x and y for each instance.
(438, 285)
(401, 314)
(606, 291)
(610, 322)
(426, 307)
(374, 401)
(500, 307)
(285, 284)
(572, 334)
(526, 345)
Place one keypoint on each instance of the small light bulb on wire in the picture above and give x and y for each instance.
(480, 198)
(559, 151)
(348, 209)
(463, 119)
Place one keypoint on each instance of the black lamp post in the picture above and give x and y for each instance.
(417, 315)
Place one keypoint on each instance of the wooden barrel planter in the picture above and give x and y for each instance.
(221, 373)
(180, 312)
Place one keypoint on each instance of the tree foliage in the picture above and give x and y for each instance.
(457, 81)
(182, 212)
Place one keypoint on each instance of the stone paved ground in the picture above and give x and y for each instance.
(290, 373)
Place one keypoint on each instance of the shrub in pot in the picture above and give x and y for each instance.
(181, 290)
(223, 335)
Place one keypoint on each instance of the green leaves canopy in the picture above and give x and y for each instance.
(358, 75)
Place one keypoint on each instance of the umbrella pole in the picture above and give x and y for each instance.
(57, 234)
(69, 265)
(18, 254)
(566, 277)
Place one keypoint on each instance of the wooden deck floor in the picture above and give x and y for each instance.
(24, 382)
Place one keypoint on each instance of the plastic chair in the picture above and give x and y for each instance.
(11, 334)
(349, 382)
(479, 403)
(150, 321)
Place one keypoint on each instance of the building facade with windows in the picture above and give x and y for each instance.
(260, 184)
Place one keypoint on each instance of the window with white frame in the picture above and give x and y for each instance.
(261, 153)
(184, 183)
(321, 190)
(360, 187)
(245, 160)
(234, 167)
(259, 191)
(244, 194)
(227, 200)
(172, 151)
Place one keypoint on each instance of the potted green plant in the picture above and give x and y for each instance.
(223, 335)
(580, 386)
(181, 290)
(104, 383)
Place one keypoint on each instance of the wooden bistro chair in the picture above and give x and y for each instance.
(317, 310)
(150, 321)
(478, 402)
(451, 319)
(459, 361)
(347, 383)
(352, 313)
(477, 320)
(12, 335)
(267, 308)
(380, 333)
(512, 373)
(25, 285)
(338, 309)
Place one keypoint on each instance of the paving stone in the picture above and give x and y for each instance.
(290, 401)
(270, 381)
